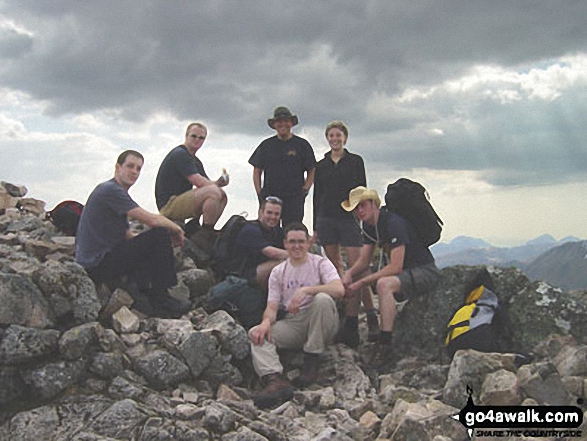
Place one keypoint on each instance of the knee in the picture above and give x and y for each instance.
(323, 300)
(386, 285)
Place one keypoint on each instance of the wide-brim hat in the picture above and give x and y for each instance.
(282, 113)
(358, 195)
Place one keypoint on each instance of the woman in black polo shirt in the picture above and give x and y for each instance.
(336, 175)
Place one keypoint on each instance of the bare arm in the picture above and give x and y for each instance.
(257, 179)
(393, 268)
(200, 181)
(309, 180)
(156, 220)
(334, 289)
(263, 330)
(274, 253)
(363, 262)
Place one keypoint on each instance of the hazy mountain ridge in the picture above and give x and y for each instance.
(562, 263)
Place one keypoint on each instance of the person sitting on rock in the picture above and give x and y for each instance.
(183, 189)
(107, 249)
(411, 268)
(258, 247)
(305, 287)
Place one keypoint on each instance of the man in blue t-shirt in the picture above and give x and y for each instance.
(411, 269)
(183, 189)
(107, 248)
(258, 247)
(281, 162)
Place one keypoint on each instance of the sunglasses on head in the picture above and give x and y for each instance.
(273, 199)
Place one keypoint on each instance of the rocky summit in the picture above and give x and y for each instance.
(77, 362)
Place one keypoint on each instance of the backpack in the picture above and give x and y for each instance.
(65, 216)
(479, 324)
(410, 200)
(225, 260)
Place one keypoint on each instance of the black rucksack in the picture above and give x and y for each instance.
(225, 260)
(65, 216)
(410, 200)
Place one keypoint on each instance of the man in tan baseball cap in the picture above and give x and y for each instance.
(411, 269)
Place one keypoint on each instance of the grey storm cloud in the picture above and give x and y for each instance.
(231, 62)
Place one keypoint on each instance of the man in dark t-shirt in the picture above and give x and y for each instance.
(258, 247)
(183, 189)
(280, 163)
(107, 248)
(411, 269)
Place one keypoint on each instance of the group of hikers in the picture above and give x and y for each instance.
(301, 288)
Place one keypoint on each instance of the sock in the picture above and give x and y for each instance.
(385, 337)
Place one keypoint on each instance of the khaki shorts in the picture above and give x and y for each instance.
(180, 207)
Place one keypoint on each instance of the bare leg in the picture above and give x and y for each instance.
(209, 202)
(366, 293)
(386, 286)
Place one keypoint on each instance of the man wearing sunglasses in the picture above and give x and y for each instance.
(258, 247)
(183, 189)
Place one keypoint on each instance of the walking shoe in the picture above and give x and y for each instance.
(204, 239)
(372, 326)
(382, 356)
(349, 336)
(277, 390)
(309, 373)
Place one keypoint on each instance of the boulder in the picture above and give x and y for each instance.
(21, 303)
(20, 344)
(161, 369)
(53, 378)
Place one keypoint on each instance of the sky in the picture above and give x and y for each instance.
(484, 103)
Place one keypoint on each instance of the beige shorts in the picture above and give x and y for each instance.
(180, 207)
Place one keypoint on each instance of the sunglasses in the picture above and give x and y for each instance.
(274, 199)
(197, 137)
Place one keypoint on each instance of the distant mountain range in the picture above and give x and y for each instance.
(562, 263)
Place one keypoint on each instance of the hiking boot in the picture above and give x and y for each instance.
(277, 390)
(349, 336)
(382, 356)
(309, 373)
(204, 239)
(372, 326)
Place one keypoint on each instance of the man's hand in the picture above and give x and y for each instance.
(177, 236)
(347, 279)
(356, 286)
(297, 299)
(260, 332)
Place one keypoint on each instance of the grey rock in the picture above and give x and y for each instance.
(198, 282)
(11, 385)
(77, 341)
(25, 224)
(157, 428)
(161, 369)
(219, 418)
(107, 364)
(243, 434)
(36, 424)
(21, 303)
(121, 388)
(571, 361)
(121, 420)
(541, 382)
(21, 344)
(49, 380)
(470, 368)
(231, 335)
(75, 411)
(198, 349)
(220, 370)
(501, 388)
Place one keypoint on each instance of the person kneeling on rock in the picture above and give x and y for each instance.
(305, 287)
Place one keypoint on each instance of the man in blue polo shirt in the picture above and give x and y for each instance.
(107, 249)
(258, 247)
(183, 189)
(411, 269)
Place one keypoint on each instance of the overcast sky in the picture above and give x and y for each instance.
(483, 102)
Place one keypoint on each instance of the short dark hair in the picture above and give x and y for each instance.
(270, 200)
(296, 226)
(122, 157)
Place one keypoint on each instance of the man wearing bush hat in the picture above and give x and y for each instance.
(284, 166)
(411, 269)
